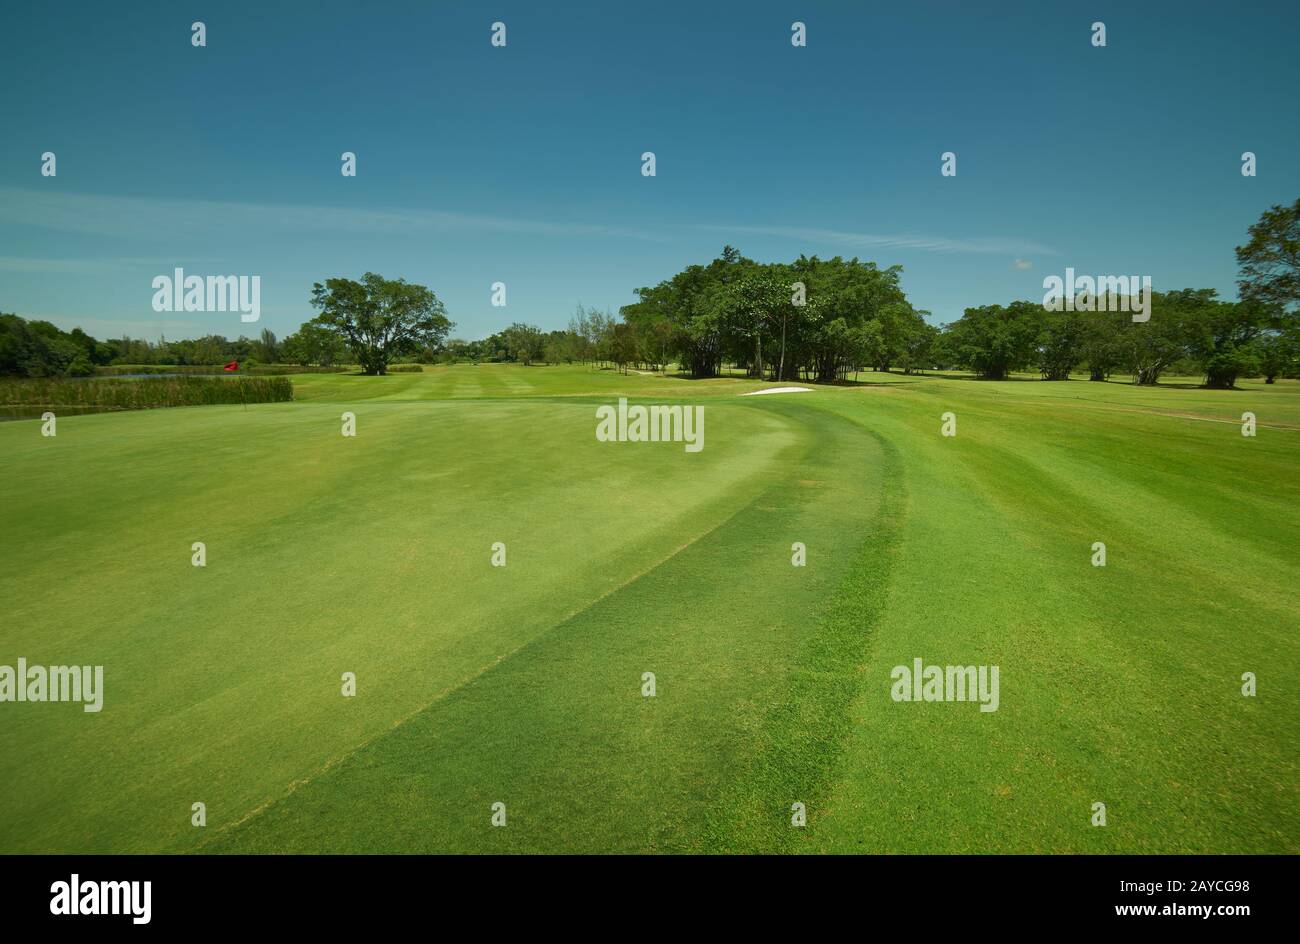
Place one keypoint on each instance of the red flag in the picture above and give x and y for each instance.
(232, 366)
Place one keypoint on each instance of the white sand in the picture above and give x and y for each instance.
(755, 393)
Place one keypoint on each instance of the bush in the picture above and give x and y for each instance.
(142, 394)
(405, 369)
(199, 370)
(115, 370)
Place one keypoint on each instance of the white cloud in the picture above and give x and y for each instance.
(171, 219)
(70, 266)
(1023, 264)
(167, 218)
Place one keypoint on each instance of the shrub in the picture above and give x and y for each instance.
(115, 370)
(144, 393)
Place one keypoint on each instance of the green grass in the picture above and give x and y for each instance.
(467, 381)
(143, 393)
(522, 684)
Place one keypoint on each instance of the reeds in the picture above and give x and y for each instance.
(143, 393)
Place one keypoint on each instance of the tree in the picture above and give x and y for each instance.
(1061, 344)
(860, 293)
(695, 303)
(268, 346)
(581, 330)
(1279, 353)
(1101, 350)
(1270, 261)
(313, 343)
(525, 343)
(380, 319)
(994, 340)
(556, 350)
(756, 303)
(1150, 347)
(918, 349)
(899, 323)
(1219, 335)
(866, 345)
(659, 336)
(40, 349)
(623, 346)
(739, 310)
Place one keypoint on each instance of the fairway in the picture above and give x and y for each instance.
(523, 684)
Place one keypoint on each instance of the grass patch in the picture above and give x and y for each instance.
(585, 762)
(264, 370)
(141, 393)
(804, 732)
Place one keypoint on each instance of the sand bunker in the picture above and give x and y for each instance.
(755, 393)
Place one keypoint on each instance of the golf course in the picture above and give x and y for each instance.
(500, 582)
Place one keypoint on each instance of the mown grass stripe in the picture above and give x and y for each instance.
(803, 735)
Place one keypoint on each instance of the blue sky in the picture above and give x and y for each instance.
(522, 164)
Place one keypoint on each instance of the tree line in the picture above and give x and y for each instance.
(41, 349)
(1190, 331)
(811, 319)
(818, 319)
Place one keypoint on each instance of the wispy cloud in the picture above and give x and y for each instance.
(97, 266)
(978, 244)
(1023, 264)
(167, 218)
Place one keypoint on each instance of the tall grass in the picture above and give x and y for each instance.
(144, 393)
(114, 370)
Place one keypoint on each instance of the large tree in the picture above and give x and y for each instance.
(848, 313)
(1220, 336)
(1279, 352)
(696, 302)
(757, 303)
(39, 349)
(1101, 346)
(1270, 261)
(996, 339)
(1061, 344)
(524, 342)
(381, 319)
(314, 344)
(1150, 348)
